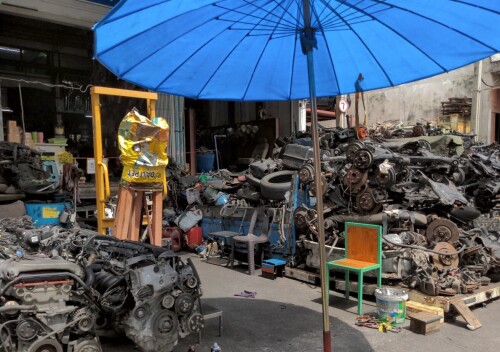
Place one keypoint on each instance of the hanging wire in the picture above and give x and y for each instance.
(80, 88)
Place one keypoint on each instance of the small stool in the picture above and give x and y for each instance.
(272, 268)
(210, 312)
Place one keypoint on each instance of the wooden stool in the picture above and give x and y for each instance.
(128, 222)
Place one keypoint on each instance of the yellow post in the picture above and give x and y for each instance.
(101, 171)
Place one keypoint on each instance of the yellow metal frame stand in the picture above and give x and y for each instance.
(101, 170)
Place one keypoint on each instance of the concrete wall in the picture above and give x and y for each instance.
(486, 100)
(417, 101)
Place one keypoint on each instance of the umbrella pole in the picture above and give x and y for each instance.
(325, 292)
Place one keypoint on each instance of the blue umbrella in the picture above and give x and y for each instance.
(253, 50)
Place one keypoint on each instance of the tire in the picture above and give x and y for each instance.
(252, 180)
(275, 185)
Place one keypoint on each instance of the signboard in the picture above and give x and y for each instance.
(109, 3)
(91, 165)
(343, 105)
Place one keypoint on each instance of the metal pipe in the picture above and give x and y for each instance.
(2, 137)
(192, 141)
(216, 150)
(325, 294)
(478, 102)
(23, 137)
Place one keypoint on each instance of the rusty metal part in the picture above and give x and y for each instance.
(300, 218)
(363, 159)
(306, 173)
(324, 186)
(351, 149)
(386, 180)
(355, 180)
(444, 260)
(368, 202)
(442, 230)
(418, 131)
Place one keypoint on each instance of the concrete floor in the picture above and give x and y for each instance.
(286, 316)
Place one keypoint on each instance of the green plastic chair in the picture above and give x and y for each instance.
(363, 248)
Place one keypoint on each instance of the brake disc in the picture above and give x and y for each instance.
(367, 202)
(351, 149)
(363, 159)
(442, 260)
(442, 230)
(355, 180)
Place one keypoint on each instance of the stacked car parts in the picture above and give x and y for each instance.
(70, 288)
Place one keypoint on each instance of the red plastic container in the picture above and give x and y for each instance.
(195, 235)
(175, 236)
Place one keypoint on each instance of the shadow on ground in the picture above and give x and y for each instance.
(251, 325)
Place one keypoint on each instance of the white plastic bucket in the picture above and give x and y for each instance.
(391, 304)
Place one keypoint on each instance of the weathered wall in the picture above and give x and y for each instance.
(417, 101)
(489, 99)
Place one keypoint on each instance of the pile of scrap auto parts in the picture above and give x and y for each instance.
(21, 171)
(438, 206)
(436, 194)
(61, 289)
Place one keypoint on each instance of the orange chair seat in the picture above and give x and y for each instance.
(352, 263)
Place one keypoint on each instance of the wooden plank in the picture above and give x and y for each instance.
(135, 218)
(157, 218)
(466, 313)
(413, 308)
(123, 213)
(483, 294)
(362, 243)
(301, 275)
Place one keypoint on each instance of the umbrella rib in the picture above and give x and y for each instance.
(157, 25)
(475, 5)
(366, 46)
(163, 46)
(114, 9)
(333, 18)
(291, 24)
(228, 55)
(190, 56)
(294, 50)
(403, 37)
(336, 20)
(440, 23)
(329, 52)
(260, 57)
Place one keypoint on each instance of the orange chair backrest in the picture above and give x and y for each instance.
(362, 243)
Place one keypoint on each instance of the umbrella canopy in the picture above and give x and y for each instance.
(251, 50)
(270, 50)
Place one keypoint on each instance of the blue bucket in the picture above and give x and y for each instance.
(204, 162)
(45, 213)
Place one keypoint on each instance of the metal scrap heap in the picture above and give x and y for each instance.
(61, 289)
(436, 201)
